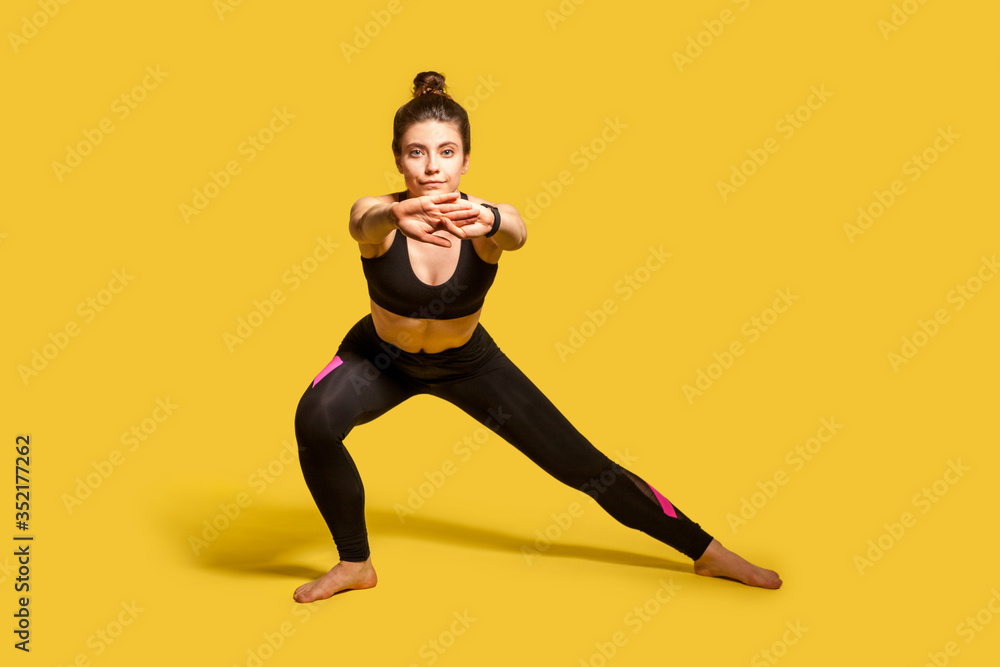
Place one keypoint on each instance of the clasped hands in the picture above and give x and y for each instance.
(419, 217)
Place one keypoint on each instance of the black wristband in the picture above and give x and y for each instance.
(496, 221)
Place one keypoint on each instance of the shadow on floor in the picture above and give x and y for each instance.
(260, 539)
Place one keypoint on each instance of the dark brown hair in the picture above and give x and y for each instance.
(430, 102)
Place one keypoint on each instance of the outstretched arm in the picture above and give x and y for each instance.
(371, 220)
(477, 220)
(513, 232)
(417, 218)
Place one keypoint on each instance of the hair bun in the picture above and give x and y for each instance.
(429, 82)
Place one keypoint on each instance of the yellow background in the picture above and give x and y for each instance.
(553, 85)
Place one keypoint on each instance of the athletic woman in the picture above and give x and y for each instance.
(429, 255)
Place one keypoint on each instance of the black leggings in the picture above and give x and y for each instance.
(369, 376)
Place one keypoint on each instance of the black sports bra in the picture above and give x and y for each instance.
(393, 285)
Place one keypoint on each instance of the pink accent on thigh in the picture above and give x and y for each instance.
(665, 504)
(326, 369)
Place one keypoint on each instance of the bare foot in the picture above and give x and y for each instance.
(718, 561)
(341, 576)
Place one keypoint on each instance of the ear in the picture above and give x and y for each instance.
(398, 160)
(465, 167)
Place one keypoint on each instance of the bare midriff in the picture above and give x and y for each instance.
(419, 335)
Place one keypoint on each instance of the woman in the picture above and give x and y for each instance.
(430, 255)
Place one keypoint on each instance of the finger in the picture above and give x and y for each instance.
(466, 215)
(458, 206)
(467, 222)
(439, 197)
(449, 226)
(474, 230)
(434, 239)
(427, 236)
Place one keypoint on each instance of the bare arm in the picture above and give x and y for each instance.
(477, 220)
(371, 220)
(513, 233)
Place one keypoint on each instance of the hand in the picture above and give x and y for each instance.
(419, 217)
(473, 219)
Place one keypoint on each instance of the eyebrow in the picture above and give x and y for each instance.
(419, 145)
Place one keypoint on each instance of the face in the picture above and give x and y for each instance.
(432, 158)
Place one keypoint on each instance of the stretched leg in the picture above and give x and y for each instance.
(505, 400)
(349, 391)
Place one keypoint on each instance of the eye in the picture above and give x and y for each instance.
(414, 151)
(449, 151)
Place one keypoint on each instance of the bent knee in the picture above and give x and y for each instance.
(322, 419)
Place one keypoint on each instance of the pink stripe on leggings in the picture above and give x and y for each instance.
(665, 504)
(336, 361)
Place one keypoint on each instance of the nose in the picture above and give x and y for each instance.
(431, 167)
